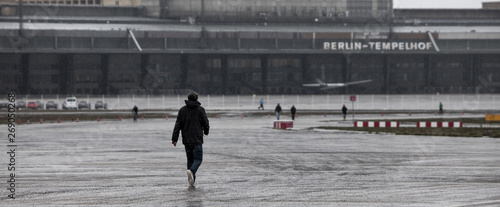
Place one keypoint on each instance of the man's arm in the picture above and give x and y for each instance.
(177, 128)
(205, 123)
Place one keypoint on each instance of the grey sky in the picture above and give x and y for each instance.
(452, 4)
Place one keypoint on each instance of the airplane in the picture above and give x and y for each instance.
(326, 86)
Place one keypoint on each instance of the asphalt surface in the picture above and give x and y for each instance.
(247, 163)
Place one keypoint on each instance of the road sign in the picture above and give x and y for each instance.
(353, 98)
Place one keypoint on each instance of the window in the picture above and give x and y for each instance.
(324, 12)
(313, 12)
(283, 11)
(213, 63)
(304, 11)
(54, 79)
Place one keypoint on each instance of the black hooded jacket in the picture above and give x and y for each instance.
(193, 122)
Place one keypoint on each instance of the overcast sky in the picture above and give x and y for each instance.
(469, 4)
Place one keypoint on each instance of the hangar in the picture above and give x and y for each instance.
(413, 51)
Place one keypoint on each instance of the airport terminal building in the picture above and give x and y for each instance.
(264, 48)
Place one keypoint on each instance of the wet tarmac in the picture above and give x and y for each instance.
(247, 163)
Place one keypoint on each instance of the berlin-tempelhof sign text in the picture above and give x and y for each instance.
(390, 46)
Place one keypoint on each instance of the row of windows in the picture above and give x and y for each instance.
(88, 78)
(409, 65)
(45, 67)
(383, 4)
(413, 77)
(359, 3)
(285, 63)
(456, 76)
(6, 67)
(87, 91)
(242, 63)
(87, 66)
(449, 65)
(301, 11)
(124, 66)
(42, 79)
(67, 2)
(10, 79)
(490, 65)
(284, 76)
(271, 76)
(123, 78)
(255, 63)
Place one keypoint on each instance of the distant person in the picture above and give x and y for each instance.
(193, 122)
(293, 110)
(261, 104)
(440, 108)
(135, 111)
(344, 111)
(278, 111)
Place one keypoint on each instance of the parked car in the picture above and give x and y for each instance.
(101, 105)
(70, 103)
(83, 105)
(21, 105)
(51, 105)
(32, 105)
(4, 105)
(40, 105)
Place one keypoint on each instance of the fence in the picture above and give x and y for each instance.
(303, 102)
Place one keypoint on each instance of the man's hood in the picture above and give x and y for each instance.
(192, 104)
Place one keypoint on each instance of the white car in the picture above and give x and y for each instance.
(70, 103)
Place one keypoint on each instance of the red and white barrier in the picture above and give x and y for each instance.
(434, 124)
(376, 124)
(283, 124)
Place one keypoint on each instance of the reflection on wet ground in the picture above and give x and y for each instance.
(247, 163)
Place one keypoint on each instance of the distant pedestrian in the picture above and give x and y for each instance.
(293, 110)
(278, 111)
(135, 112)
(344, 111)
(261, 104)
(440, 108)
(193, 122)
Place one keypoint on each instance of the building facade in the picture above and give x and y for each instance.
(416, 51)
(279, 10)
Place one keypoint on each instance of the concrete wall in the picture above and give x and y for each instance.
(447, 13)
(491, 5)
(90, 11)
(152, 8)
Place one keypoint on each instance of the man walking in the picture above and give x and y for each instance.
(135, 112)
(277, 110)
(440, 108)
(193, 122)
(344, 111)
(293, 110)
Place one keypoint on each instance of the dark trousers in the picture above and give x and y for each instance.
(194, 154)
